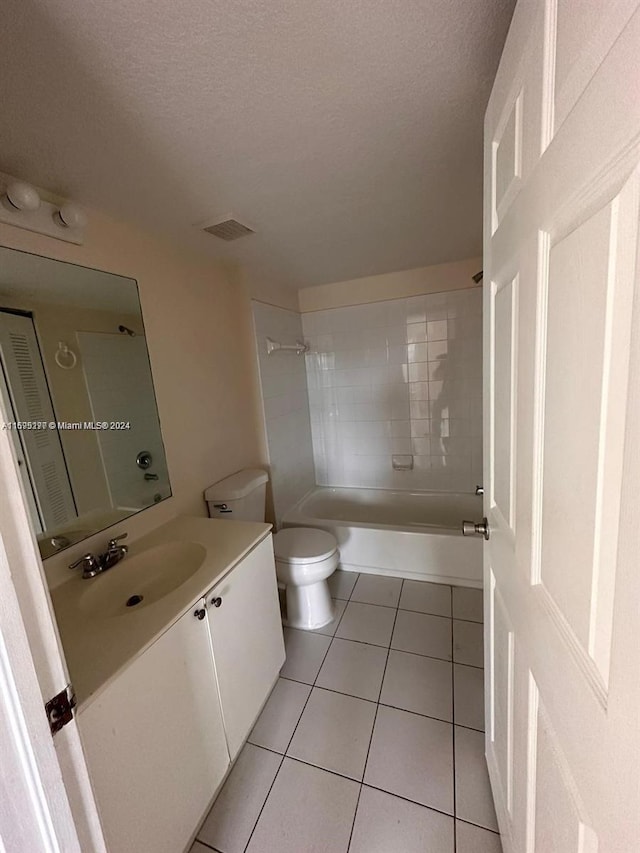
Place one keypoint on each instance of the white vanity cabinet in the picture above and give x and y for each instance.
(246, 633)
(155, 743)
(160, 737)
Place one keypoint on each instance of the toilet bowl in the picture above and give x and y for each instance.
(305, 558)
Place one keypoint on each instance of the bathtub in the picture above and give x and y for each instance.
(414, 535)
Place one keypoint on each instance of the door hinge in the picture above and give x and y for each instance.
(59, 710)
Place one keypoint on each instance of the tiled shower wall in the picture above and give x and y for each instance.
(286, 407)
(398, 378)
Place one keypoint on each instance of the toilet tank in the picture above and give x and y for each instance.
(240, 497)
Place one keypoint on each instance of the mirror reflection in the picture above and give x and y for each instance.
(78, 397)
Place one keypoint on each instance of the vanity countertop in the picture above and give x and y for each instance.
(98, 646)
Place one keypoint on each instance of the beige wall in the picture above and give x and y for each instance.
(395, 285)
(265, 289)
(200, 340)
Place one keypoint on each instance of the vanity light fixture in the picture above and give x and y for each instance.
(21, 196)
(21, 205)
(71, 216)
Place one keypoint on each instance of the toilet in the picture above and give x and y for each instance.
(305, 556)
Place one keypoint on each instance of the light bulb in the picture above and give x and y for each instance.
(22, 196)
(71, 216)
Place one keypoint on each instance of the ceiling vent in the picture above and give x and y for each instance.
(228, 229)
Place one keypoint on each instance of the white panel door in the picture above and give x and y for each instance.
(155, 743)
(248, 646)
(562, 420)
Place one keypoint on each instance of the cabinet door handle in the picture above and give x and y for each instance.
(200, 614)
(217, 601)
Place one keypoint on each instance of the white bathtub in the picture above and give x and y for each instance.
(413, 535)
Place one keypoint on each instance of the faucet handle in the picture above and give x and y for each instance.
(113, 543)
(87, 561)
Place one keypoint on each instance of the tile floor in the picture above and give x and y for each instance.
(372, 739)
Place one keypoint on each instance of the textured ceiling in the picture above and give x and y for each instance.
(348, 134)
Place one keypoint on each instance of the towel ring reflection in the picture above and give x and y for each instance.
(65, 357)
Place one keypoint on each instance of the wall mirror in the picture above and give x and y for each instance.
(78, 397)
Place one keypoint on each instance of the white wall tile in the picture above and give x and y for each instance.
(416, 332)
(405, 375)
(437, 330)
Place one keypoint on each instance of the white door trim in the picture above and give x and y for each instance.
(44, 780)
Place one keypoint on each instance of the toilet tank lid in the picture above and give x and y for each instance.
(236, 486)
(303, 544)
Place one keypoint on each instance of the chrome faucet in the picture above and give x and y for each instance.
(93, 565)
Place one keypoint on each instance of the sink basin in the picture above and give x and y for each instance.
(141, 579)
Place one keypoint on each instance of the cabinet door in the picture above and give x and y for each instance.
(248, 648)
(155, 743)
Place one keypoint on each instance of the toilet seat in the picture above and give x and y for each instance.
(303, 545)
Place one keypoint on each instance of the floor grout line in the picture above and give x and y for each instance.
(376, 788)
(380, 646)
(478, 825)
(411, 610)
(204, 844)
(431, 808)
(451, 722)
(265, 800)
(375, 717)
(285, 755)
(378, 703)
